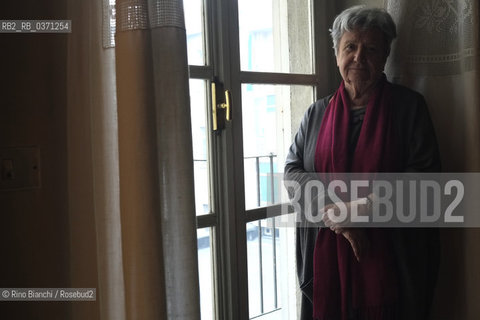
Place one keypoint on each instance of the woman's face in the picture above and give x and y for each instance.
(361, 57)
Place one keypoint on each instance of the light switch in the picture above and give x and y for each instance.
(20, 168)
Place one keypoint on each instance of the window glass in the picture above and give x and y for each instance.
(270, 114)
(194, 23)
(272, 283)
(201, 160)
(205, 272)
(275, 36)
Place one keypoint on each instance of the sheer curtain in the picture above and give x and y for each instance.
(437, 53)
(131, 206)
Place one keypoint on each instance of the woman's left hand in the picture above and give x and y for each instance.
(358, 240)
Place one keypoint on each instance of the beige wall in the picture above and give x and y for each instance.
(34, 236)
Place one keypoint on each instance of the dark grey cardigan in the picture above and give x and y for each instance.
(416, 250)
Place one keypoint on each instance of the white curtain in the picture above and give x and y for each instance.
(438, 54)
(93, 179)
(131, 207)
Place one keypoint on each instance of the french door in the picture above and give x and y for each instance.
(254, 69)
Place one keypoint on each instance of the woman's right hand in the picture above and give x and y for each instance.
(358, 240)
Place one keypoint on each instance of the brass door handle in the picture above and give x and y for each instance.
(227, 105)
(221, 107)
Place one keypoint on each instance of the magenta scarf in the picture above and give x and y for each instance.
(343, 287)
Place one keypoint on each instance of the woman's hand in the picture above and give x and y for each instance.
(358, 241)
(357, 237)
(338, 216)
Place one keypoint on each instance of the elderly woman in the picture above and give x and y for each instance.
(367, 125)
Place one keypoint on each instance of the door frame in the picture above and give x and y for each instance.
(229, 217)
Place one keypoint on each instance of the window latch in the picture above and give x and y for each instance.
(221, 106)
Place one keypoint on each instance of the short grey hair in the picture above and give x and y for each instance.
(363, 18)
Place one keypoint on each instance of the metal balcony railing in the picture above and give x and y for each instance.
(265, 231)
(265, 194)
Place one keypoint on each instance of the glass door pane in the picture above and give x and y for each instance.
(275, 36)
(205, 270)
(272, 283)
(271, 113)
(196, 22)
(200, 131)
(202, 181)
(195, 25)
